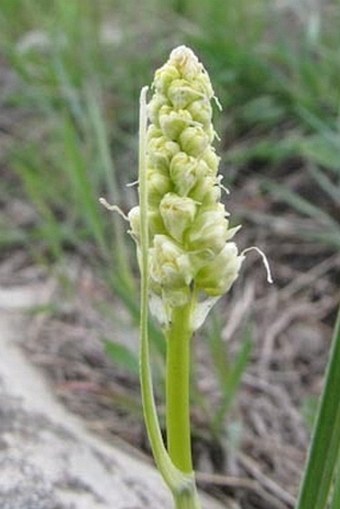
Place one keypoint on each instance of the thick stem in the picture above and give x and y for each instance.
(187, 500)
(177, 389)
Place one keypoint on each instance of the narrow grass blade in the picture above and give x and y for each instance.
(329, 187)
(322, 149)
(85, 195)
(232, 382)
(335, 497)
(48, 225)
(107, 168)
(123, 356)
(325, 446)
(302, 205)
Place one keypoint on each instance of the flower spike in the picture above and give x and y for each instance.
(190, 252)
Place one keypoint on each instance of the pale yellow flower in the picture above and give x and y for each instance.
(189, 250)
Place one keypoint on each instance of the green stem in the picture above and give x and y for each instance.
(181, 484)
(187, 499)
(161, 456)
(177, 389)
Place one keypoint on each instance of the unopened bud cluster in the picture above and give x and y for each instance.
(188, 227)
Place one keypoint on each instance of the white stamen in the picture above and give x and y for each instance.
(220, 185)
(113, 208)
(132, 184)
(218, 138)
(264, 259)
(217, 102)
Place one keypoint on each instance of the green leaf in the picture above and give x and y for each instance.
(325, 446)
(122, 355)
(232, 381)
(335, 497)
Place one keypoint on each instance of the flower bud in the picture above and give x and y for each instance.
(201, 111)
(178, 214)
(212, 160)
(154, 132)
(216, 277)
(209, 230)
(181, 93)
(160, 152)
(191, 69)
(186, 62)
(194, 140)
(155, 222)
(206, 191)
(134, 219)
(173, 122)
(185, 171)
(170, 266)
(156, 103)
(158, 185)
(165, 77)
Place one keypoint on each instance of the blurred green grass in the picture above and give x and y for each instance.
(82, 64)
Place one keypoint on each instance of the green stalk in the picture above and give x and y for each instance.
(149, 407)
(187, 499)
(177, 389)
(181, 484)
